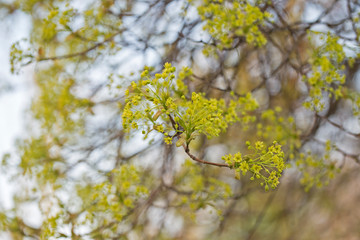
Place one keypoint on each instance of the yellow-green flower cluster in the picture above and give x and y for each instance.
(213, 116)
(114, 200)
(20, 56)
(149, 99)
(316, 171)
(227, 20)
(56, 21)
(265, 163)
(159, 103)
(58, 25)
(273, 126)
(327, 71)
(205, 115)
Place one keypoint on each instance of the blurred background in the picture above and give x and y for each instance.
(66, 64)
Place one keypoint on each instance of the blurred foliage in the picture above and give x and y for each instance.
(187, 119)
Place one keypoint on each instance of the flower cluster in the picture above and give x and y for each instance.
(273, 126)
(151, 99)
(227, 20)
(161, 103)
(316, 171)
(327, 74)
(265, 163)
(115, 200)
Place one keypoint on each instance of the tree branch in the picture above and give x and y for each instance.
(187, 150)
(82, 52)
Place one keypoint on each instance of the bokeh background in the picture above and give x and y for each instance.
(87, 141)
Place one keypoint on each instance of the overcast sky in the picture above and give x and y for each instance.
(13, 102)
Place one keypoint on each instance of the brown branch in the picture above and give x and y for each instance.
(354, 156)
(338, 126)
(187, 150)
(82, 52)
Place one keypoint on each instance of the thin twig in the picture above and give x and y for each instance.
(187, 150)
(82, 52)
